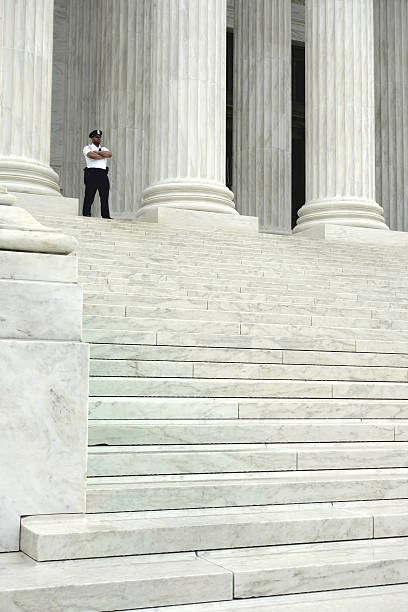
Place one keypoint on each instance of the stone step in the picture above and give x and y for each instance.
(59, 537)
(329, 342)
(187, 387)
(102, 300)
(314, 567)
(369, 599)
(265, 371)
(179, 408)
(269, 318)
(135, 493)
(241, 431)
(139, 312)
(224, 291)
(229, 408)
(245, 356)
(146, 324)
(217, 458)
(244, 301)
(110, 583)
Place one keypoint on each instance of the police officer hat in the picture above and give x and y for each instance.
(95, 133)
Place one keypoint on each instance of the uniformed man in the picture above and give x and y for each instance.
(96, 174)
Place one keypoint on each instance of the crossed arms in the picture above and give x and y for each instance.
(99, 155)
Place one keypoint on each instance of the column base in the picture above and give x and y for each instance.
(23, 176)
(356, 235)
(198, 220)
(343, 212)
(204, 196)
(52, 205)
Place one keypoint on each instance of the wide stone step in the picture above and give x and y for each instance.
(244, 408)
(117, 494)
(217, 458)
(370, 599)
(109, 584)
(188, 387)
(246, 356)
(129, 432)
(58, 537)
(139, 324)
(314, 567)
(127, 367)
(204, 339)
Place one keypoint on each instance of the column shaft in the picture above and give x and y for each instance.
(123, 97)
(391, 97)
(188, 107)
(262, 112)
(340, 126)
(84, 26)
(25, 97)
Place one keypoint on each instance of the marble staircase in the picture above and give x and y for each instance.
(248, 428)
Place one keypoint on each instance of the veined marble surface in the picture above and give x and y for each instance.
(39, 310)
(18, 265)
(43, 431)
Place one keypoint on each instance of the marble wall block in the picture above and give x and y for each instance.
(43, 390)
(43, 431)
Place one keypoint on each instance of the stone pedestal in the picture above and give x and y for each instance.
(43, 373)
(391, 98)
(25, 100)
(262, 112)
(340, 131)
(187, 108)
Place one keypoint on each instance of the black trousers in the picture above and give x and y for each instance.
(96, 179)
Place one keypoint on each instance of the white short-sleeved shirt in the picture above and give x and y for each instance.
(94, 163)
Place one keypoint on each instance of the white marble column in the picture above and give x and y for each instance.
(188, 107)
(262, 112)
(82, 69)
(340, 126)
(25, 96)
(123, 98)
(391, 97)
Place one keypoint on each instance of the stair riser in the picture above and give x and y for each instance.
(319, 578)
(216, 495)
(251, 461)
(112, 367)
(119, 433)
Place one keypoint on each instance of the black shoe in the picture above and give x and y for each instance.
(87, 215)
(106, 217)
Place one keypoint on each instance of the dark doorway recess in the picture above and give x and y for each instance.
(298, 129)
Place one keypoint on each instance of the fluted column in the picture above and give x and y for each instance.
(123, 98)
(391, 97)
(25, 96)
(187, 107)
(262, 112)
(84, 30)
(340, 126)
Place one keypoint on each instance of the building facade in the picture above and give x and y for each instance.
(211, 105)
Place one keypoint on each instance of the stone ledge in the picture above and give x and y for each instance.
(362, 235)
(199, 220)
(55, 206)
